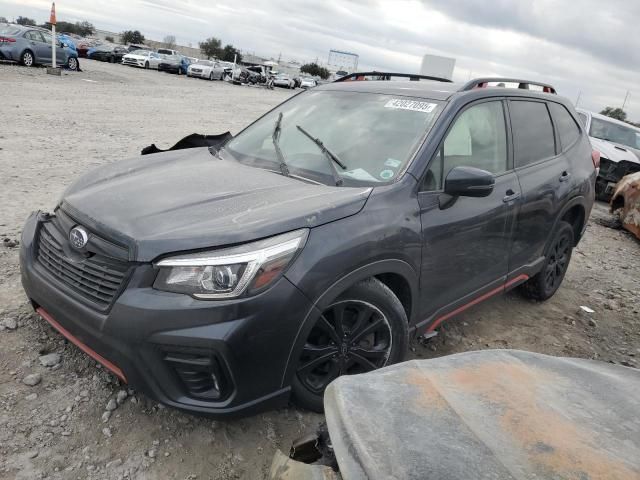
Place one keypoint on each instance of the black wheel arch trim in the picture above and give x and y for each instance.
(577, 200)
(379, 267)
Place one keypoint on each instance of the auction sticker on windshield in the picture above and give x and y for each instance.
(413, 105)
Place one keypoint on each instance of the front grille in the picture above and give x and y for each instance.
(97, 279)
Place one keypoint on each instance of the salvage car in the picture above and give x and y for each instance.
(283, 80)
(143, 59)
(31, 46)
(308, 82)
(107, 53)
(174, 64)
(626, 202)
(208, 69)
(619, 146)
(316, 242)
(493, 414)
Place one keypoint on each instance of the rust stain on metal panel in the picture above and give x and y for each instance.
(556, 446)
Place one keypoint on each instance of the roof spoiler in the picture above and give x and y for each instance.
(522, 84)
(387, 76)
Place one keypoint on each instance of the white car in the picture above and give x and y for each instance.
(619, 146)
(208, 69)
(142, 59)
(308, 82)
(284, 81)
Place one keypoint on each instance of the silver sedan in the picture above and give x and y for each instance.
(206, 69)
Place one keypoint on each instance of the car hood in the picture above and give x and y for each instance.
(188, 199)
(614, 151)
(137, 57)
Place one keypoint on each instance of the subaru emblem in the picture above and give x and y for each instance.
(78, 237)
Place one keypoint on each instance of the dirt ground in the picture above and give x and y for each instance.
(53, 129)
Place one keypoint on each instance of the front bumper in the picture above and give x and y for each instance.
(145, 330)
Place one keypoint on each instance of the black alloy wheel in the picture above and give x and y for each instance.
(146, 65)
(364, 329)
(547, 281)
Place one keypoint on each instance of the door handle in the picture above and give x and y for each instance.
(511, 195)
(565, 176)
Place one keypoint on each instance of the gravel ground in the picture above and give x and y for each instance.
(63, 417)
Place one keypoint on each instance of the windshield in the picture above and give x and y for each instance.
(9, 29)
(615, 133)
(140, 52)
(373, 135)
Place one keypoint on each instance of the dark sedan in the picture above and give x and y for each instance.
(108, 54)
(174, 64)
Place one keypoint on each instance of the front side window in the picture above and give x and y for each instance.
(533, 138)
(476, 139)
(373, 135)
(46, 36)
(568, 129)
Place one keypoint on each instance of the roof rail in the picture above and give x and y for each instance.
(387, 76)
(522, 84)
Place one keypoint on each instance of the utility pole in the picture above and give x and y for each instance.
(626, 97)
(578, 99)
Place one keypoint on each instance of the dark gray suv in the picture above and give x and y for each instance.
(315, 243)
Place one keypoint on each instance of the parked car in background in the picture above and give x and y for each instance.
(174, 64)
(143, 59)
(619, 147)
(107, 53)
(32, 46)
(316, 242)
(308, 82)
(168, 51)
(209, 69)
(283, 80)
(133, 47)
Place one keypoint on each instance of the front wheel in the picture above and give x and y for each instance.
(72, 64)
(364, 329)
(544, 284)
(146, 65)
(211, 76)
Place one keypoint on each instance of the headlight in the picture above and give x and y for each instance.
(229, 272)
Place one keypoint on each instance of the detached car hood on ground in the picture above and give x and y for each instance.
(189, 199)
(614, 152)
(494, 414)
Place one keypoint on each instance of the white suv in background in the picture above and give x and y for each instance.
(619, 146)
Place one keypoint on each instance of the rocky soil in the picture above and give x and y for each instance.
(64, 417)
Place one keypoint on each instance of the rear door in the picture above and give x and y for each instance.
(40, 49)
(545, 179)
(466, 242)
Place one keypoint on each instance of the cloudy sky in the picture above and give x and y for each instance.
(587, 46)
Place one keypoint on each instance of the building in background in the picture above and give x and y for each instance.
(436, 66)
(342, 61)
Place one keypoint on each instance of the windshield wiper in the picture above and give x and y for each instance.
(327, 153)
(275, 137)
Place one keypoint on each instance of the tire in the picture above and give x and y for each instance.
(27, 58)
(546, 282)
(72, 64)
(211, 76)
(372, 320)
(146, 65)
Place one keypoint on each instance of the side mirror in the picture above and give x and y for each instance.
(469, 182)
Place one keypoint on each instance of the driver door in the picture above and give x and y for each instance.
(466, 241)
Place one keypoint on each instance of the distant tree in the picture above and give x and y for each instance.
(109, 39)
(84, 29)
(169, 41)
(131, 36)
(26, 21)
(228, 53)
(4, 20)
(210, 47)
(616, 113)
(315, 70)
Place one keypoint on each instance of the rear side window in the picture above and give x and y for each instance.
(568, 129)
(533, 138)
(34, 36)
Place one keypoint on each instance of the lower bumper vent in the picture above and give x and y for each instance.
(201, 375)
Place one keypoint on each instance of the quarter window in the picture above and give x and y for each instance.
(477, 139)
(533, 138)
(567, 127)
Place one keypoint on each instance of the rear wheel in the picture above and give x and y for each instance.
(364, 329)
(547, 281)
(27, 59)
